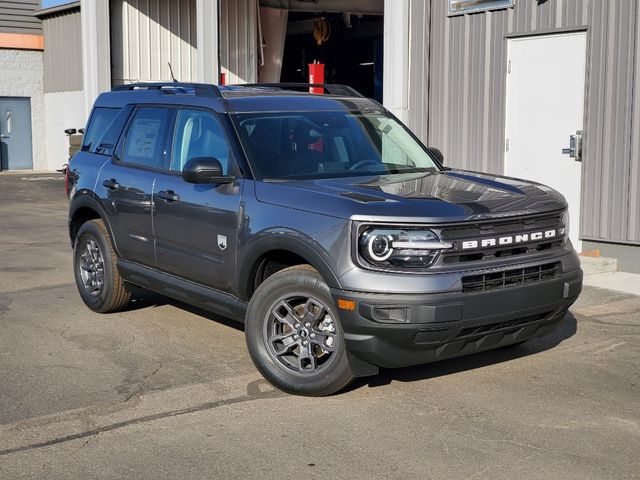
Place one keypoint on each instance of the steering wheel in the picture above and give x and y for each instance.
(362, 163)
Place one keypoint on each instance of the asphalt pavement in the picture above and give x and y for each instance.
(164, 390)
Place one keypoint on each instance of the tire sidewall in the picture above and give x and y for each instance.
(91, 231)
(288, 281)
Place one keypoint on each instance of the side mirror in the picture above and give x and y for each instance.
(205, 170)
(71, 131)
(437, 154)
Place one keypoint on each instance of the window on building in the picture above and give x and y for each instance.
(457, 7)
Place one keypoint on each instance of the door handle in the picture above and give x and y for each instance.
(575, 146)
(111, 184)
(169, 195)
(4, 136)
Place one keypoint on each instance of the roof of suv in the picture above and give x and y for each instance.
(292, 97)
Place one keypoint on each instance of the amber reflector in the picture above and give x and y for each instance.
(346, 304)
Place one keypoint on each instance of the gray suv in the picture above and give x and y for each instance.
(320, 221)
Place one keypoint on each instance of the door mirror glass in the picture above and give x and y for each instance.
(205, 170)
(437, 154)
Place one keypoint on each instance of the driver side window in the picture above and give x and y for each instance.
(198, 134)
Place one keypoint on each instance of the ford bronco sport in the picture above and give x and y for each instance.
(320, 221)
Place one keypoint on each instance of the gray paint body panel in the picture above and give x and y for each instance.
(458, 75)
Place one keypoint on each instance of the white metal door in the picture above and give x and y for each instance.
(545, 107)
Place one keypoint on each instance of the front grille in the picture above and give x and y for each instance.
(510, 324)
(500, 227)
(480, 231)
(509, 278)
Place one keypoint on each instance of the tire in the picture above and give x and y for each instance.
(294, 335)
(94, 265)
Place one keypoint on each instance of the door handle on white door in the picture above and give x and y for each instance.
(575, 146)
(4, 136)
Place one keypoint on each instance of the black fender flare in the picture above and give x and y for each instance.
(86, 199)
(290, 241)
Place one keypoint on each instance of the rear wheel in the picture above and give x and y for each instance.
(294, 334)
(94, 264)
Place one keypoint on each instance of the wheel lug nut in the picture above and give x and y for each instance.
(313, 335)
(307, 324)
(305, 343)
(297, 325)
(295, 337)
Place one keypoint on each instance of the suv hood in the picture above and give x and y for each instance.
(430, 197)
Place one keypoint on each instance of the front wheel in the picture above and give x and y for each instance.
(294, 334)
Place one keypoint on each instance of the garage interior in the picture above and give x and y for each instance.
(345, 36)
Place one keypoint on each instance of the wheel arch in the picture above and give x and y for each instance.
(274, 248)
(84, 207)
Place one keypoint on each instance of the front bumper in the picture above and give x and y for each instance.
(394, 330)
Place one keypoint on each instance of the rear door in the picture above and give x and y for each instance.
(196, 225)
(129, 182)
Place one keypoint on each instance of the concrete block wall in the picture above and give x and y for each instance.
(627, 256)
(21, 75)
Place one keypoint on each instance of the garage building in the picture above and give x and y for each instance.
(542, 89)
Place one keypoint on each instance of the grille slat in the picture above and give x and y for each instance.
(509, 278)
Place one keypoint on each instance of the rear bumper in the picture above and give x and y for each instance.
(395, 330)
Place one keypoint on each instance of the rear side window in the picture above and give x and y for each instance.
(100, 120)
(145, 138)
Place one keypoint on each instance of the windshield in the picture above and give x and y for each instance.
(305, 145)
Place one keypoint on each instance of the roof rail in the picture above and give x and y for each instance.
(198, 89)
(332, 88)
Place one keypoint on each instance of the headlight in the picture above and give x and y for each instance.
(396, 247)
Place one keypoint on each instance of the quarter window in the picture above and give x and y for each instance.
(101, 119)
(145, 140)
(198, 134)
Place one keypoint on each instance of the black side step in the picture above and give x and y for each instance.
(183, 290)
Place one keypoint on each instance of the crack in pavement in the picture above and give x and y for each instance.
(253, 393)
(86, 443)
(144, 382)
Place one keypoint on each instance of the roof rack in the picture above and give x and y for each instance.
(197, 89)
(332, 88)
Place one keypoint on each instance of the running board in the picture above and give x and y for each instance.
(183, 290)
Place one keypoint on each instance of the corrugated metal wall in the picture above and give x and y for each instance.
(16, 16)
(239, 40)
(147, 34)
(463, 69)
(63, 52)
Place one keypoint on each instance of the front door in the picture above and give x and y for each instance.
(545, 109)
(15, 134)
(196, 225)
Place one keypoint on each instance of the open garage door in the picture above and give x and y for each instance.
(345, 36)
